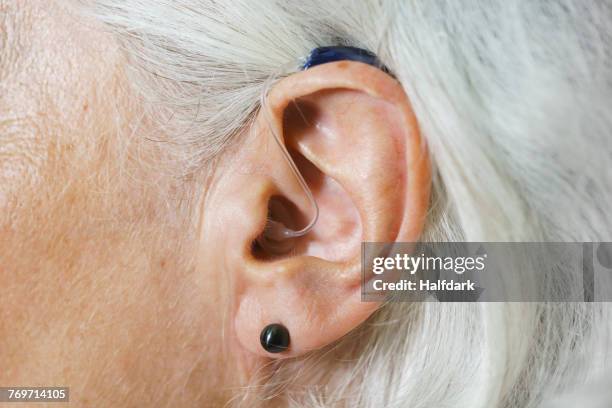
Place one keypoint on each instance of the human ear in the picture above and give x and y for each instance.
(351, 131)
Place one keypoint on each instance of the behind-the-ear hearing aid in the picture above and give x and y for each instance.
(276, 237)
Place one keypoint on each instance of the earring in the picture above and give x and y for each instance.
(274, 338)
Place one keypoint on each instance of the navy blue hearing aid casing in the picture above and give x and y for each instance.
(323, 55)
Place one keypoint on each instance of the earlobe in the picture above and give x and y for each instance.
(351, 130)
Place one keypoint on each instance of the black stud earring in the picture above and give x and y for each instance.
(274, 338)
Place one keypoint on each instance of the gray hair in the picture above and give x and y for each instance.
(513, 98)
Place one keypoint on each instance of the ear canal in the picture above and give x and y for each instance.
(275, 238)
(276, 231)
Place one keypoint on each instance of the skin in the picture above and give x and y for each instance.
(89, 291)
(111, 285)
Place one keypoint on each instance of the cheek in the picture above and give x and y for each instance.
(86, 298)
(52, 83)
(52, 107)
(92, 287)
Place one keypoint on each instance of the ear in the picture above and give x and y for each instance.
(352, 133)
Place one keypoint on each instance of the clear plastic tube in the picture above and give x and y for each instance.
(276, 230)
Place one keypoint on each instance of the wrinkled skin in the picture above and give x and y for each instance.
(95, 292)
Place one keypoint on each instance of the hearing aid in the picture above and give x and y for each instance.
(276, 238)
